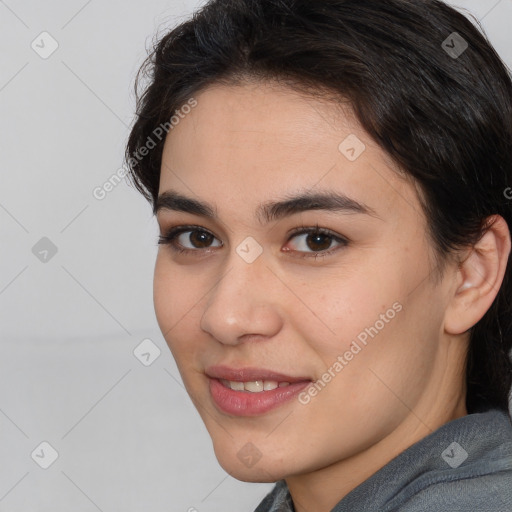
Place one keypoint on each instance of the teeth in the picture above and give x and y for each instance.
(270, 384)
(237, 386)
(255, 386)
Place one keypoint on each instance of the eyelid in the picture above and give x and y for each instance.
(300, 230)
(306, 230)
(169, 236)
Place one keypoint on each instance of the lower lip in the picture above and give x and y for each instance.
(245, 403)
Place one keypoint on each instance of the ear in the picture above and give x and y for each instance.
(479, 277)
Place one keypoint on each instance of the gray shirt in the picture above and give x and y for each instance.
(464, 466)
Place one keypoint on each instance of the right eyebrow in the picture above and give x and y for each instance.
(271, 210)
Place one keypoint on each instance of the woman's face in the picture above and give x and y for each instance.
(337, 289)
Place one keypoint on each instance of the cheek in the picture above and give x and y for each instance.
(164, 295)
(175, 298)
(387, 338)
(177, 303)
(174, 292)
(346, 310)
(380, 317)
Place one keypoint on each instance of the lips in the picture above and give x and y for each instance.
(250, 375)
(251, 391)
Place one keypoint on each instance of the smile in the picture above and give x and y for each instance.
(254, 386)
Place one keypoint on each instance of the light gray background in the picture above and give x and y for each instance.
(127, 435)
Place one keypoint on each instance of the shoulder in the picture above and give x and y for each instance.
(483, 493)
(473, 473)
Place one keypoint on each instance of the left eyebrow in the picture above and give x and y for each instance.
(327, 201)
(270, 210)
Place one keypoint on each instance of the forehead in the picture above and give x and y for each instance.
(258, 111)
(254, 141)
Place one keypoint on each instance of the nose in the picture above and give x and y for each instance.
(242, 305)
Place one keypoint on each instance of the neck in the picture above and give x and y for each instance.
(322, 489)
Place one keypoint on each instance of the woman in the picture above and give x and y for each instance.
(331, 182)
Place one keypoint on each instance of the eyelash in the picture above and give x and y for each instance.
(169, 238)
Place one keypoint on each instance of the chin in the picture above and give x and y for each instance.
(247, 470)
(254, 475)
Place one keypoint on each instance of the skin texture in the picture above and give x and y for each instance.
(245, 145)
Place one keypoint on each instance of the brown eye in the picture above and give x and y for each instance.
(188, 238)
(200, 239)
(316, 241)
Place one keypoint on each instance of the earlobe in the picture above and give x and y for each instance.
(479, 277)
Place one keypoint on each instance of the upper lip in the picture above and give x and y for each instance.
(250, 374)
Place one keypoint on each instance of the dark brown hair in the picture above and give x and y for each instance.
(443, 112)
